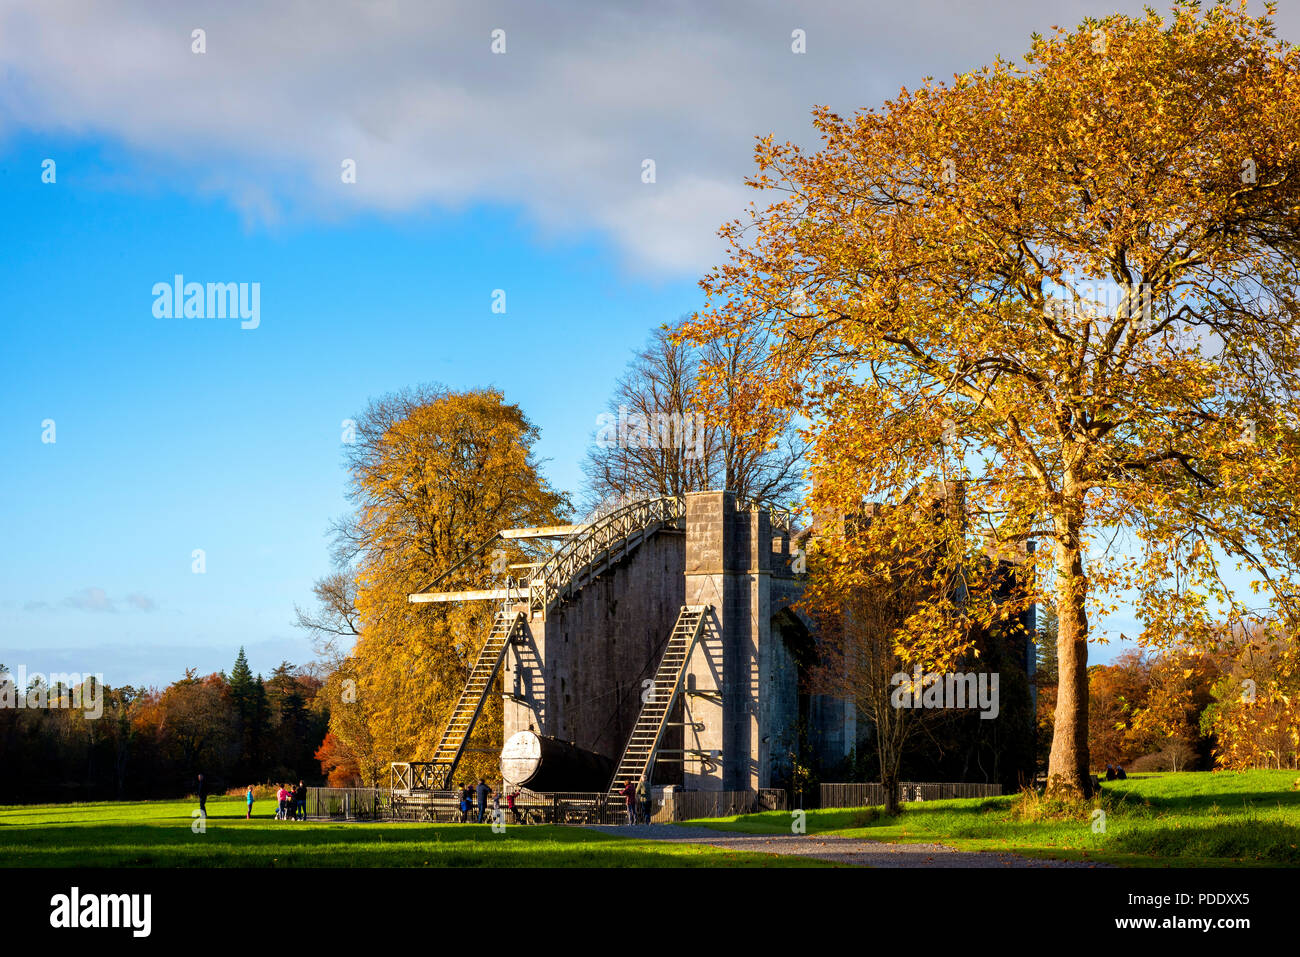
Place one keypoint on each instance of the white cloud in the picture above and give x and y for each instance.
(140, 602)
(90, 599)
(94, 599)
(410, 90)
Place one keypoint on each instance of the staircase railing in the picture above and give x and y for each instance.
(643, 743)
(436, 775)
(597, 541)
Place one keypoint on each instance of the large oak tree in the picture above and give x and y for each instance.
(1074, 277)
(433, 474)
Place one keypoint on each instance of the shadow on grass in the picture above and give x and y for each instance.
(1248, 827)
(1222, 801)
(840, 819)
(1271, 842)
(286, 844)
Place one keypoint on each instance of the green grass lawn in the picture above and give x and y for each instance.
(1182, 820)
(158, 833)
(1192, 819)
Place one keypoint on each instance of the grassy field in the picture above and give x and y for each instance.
(158, 833)
(1227, 819)
(1248, 818)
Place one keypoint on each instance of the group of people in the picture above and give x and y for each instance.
(640, 804)
(291, 802)
(478, 794)
(1115, 773)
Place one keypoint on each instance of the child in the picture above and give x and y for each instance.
(249, 815)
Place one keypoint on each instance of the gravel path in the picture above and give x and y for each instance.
(841, 850)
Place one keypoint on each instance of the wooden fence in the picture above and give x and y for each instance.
(679, 805)
(868, 795)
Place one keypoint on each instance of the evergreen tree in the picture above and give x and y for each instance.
(241, 677)
(245, 692)
(292, 751)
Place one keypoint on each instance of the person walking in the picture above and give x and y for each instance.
(203, 797)
(629, 795)
(482, 792)
(510, 806)
(645, 797)
(249, 797)
(497, 817)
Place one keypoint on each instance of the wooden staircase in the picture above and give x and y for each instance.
(639, 755)
(472, 698)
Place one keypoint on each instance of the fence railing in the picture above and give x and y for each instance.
(867, 795)
(597, 541)
(680, 805)
(347, 804)
(579, 807)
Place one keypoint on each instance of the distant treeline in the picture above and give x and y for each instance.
(1228, 704)
(99, 742)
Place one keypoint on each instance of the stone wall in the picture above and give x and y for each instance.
(579, 673)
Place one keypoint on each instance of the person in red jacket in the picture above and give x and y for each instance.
(629, 795)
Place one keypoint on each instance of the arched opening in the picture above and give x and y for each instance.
(785, 700)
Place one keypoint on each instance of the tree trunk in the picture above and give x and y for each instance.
(1067, 767)
(889, 781)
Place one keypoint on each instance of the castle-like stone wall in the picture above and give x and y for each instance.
(578, 673)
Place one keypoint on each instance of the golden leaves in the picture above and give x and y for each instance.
(1115, 167)
(434, 474)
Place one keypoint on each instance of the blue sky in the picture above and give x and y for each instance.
(476, 171)
(177, 434)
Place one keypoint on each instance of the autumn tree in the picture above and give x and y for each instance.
(857, 657)
(334, 625)
(1180, 689)
(652, 439)
(890, 587)
(339, 763)
(195, 723)
(667, 431)
(763, 455)
(433, 474)
(1074, 278)
(1255, 714)
(1115, 692)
